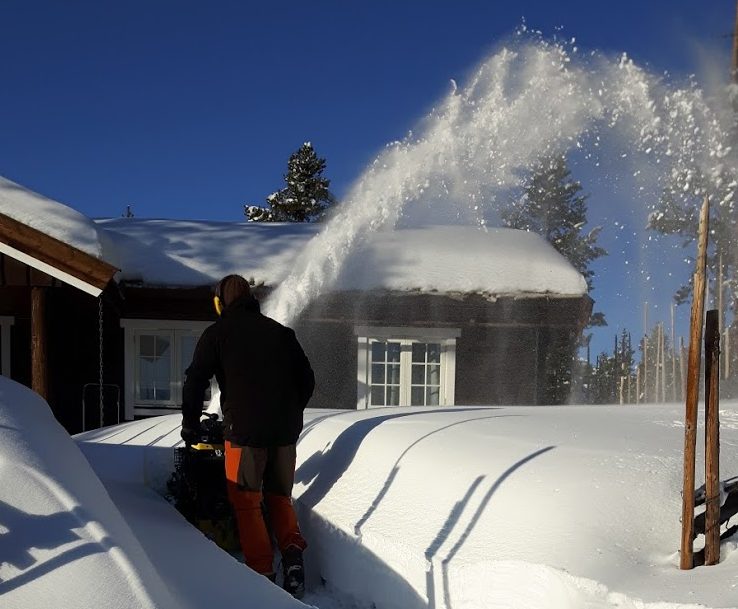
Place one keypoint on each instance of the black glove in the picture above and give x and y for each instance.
(190, 434)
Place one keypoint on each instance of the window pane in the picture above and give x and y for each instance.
(432, 395)
(393, 395)
(377, 374)
(377, 352)
(146, 378)
(377, 396)
(434, 374)
(416, 396)
(418, 374)
(393, 374)
(154, 367)
(393, 352)
(147, 345)
(419, 352)
(162, 346)
(434, 353)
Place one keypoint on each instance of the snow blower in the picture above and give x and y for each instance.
(197, 488)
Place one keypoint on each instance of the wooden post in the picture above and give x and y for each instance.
(686, 559)
(712, 438)
(656, 365)
(663, 363)
(39, 369)
(645, 352)
(638, 384)
(673, 359)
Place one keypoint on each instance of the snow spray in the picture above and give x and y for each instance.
(531, 99)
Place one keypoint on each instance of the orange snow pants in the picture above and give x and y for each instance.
(269, 473)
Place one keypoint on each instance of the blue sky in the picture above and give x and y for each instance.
(190, 109)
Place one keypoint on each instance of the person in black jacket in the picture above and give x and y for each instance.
(265, 383)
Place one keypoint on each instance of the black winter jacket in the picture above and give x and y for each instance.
(265, 379)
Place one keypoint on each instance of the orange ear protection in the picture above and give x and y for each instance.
(217, 302)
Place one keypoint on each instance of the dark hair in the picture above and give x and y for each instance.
(231, 288)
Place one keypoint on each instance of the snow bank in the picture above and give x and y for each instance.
(432, 258)
(63, 542)
(68, 541)
(486, 507)
(49, 217)
(547, 507)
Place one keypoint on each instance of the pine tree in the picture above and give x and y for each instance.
(677, 213)
(553, 206)
(613, 371)
(306, 196)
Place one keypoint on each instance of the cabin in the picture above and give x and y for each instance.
(101, 316)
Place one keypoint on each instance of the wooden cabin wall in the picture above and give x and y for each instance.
(497, 365)
(501, 354)
(331, 347)
(72, 350)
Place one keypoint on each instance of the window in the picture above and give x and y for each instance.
(406, 366)
(157, 354)
(5, 323)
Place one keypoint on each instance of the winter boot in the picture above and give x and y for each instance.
(294, 572)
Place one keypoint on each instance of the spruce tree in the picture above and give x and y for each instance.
(677, 213)
(553, 206)
(305, 198)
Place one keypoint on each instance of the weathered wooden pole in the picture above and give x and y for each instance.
(663, 363)
(686, 559)
(638, 384)
(712, 438)
(645, 352)
(673, 359)
(39, 367)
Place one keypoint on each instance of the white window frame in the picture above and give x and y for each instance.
(446, 337)
(175, 330)
(6, 322)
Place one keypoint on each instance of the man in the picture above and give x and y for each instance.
(265, 382)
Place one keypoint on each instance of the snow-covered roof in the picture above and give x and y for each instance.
(50, 217)
(433, 258)
(186, 253)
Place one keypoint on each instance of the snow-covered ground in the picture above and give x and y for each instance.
(521, 507)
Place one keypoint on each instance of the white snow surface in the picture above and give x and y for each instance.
(572, 507)
(431, 258)
(69, 541)
(50, 217)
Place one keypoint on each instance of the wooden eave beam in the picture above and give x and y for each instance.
(33, 247)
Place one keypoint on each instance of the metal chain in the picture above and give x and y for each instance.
(100, 353)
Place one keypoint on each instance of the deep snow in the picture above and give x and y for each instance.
(535, 507)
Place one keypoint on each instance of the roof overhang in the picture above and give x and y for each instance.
(54, 257)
